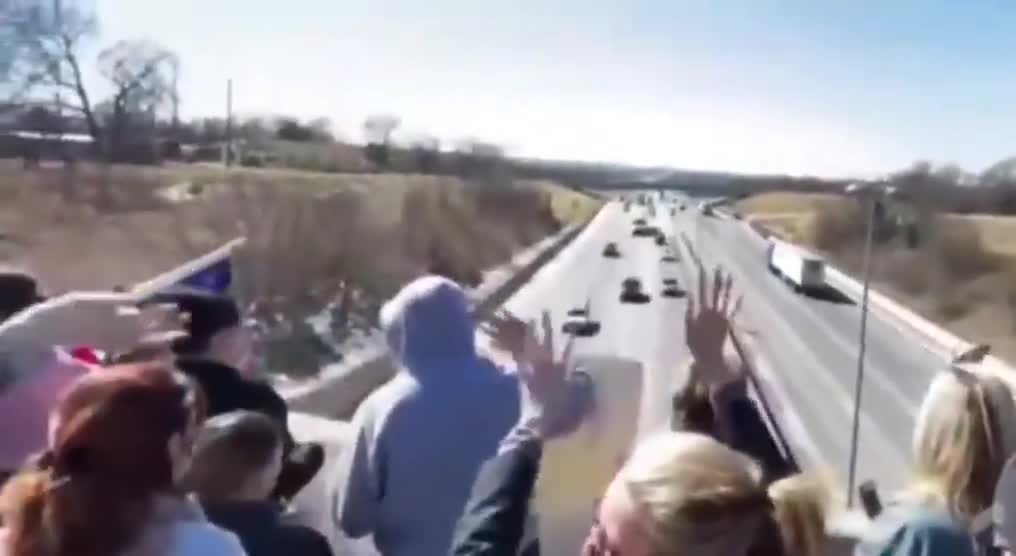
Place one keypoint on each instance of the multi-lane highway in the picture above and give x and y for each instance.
(805, 347)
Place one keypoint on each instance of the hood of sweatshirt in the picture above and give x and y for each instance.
(428, 327)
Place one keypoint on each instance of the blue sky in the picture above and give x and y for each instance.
(801, 86)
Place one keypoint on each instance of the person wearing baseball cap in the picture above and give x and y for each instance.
(218, 353)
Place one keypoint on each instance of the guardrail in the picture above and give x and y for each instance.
(343, 391)
(768, 415)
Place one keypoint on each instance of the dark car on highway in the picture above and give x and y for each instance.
(611, 251)
(661, 239)
(639, 222)
(631, 291)
(578, 323)
(671, 288)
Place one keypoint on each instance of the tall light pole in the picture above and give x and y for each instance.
(869, 195)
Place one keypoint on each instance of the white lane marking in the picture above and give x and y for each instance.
(878, 374)
(842, 400)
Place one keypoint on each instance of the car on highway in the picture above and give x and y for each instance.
(661, 239)
(632, 292)
(803, 271)
(672, 288)
(669, 258)
(643, 231)
(639, 222)
(579, 323)
(611, 251)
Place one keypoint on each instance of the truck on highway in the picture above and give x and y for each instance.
(804, 271)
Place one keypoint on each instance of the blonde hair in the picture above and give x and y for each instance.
(962, 438)
(703, 498)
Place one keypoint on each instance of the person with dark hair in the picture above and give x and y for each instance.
(218, 353)
(119, 441)
(18, 291)
(236, 463)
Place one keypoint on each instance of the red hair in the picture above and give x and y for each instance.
(91, 494)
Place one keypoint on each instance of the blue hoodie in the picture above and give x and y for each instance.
(420, 439)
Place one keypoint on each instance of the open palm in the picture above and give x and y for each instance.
(544, 376)
(708, 319)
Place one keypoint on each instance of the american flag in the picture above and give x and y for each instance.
(210, 272)
(214, 278)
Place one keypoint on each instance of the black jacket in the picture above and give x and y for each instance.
(495, 516)
(259, 527)
(741, 426)
(227, 390)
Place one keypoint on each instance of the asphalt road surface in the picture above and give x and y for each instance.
(806, 346)
(809, 346)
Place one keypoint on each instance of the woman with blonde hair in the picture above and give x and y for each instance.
(686, 493)
(679, 493)
(964, 434)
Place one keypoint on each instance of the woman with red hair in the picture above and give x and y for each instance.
(119, 440)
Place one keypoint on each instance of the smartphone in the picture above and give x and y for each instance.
(868, 494)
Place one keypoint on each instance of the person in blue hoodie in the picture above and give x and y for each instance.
(421, 438)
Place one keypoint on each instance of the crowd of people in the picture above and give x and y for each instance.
(137, 425)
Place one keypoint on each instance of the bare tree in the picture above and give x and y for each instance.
(142, 74)
(41, 55)
(321, 129)
(378, 130)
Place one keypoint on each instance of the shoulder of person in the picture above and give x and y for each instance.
(200, 537)
(907, 528)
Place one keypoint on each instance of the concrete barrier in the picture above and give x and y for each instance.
(339, 390)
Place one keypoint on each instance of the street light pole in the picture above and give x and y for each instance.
(862, 344)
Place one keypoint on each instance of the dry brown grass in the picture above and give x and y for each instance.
(963, 277)
(312, 237)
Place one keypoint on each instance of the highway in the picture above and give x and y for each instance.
(805, 347)
(808, 346)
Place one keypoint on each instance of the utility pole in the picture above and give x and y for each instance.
(58, 21)
(229, 123)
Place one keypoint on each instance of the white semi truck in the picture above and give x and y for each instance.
(801, 270)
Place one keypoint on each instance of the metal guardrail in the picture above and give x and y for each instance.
(767, 413)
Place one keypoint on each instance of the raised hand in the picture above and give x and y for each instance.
(507, 332)
(104, 320)
(547, 393)
(707, 324)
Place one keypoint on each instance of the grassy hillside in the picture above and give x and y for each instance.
(313, 238)
(961, 274)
